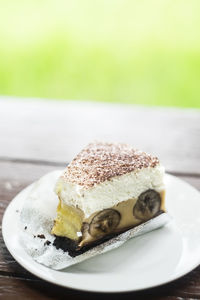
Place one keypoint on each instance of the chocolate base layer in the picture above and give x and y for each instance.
(70, 246)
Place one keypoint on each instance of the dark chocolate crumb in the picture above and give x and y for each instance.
(25, 227)
(41, 236)
(34, 236)
(70, 246)
(66, 244)
(47, 243)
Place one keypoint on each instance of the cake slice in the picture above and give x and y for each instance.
(106, 189)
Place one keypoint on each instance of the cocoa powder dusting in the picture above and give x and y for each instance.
(99, 162)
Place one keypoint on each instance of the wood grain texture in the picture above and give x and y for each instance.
(23, 288)
(37, 137)
(16, 281)
(57, 130)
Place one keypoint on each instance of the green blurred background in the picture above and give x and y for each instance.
(141, 52)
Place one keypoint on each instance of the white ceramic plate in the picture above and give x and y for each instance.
(143, 262)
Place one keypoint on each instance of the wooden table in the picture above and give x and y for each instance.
(39, 136)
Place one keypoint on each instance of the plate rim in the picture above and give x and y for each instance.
(38, 273)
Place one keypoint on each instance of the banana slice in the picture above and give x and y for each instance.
(147, 205)
(104, 222)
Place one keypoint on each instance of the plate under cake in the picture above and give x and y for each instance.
(107, 189)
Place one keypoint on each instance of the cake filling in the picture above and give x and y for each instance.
(71, 222)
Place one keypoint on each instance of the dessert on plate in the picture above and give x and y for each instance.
(107, 189)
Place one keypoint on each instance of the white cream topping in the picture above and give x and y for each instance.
(111, 192)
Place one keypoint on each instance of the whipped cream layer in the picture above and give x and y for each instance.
(110, 192)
